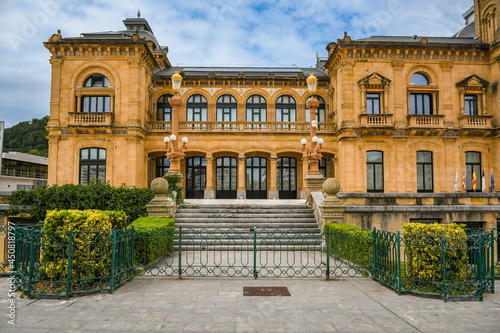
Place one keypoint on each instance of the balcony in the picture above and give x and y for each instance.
(238, 126)
(376, 120)
(475, 122)
(428, 121)
(94, 119)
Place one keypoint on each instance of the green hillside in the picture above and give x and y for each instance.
(27, 137)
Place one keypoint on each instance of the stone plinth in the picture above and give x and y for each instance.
(314, 183)
(332, 210)
(160, 206)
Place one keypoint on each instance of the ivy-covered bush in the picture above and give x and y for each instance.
(174, 187)
(349, 242)
(153, 239)
(426, 249)
(96, 195)
(79, 242)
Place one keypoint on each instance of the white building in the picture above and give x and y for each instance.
(22, 171)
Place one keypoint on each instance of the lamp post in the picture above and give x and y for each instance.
(174, 153)
(312, 154)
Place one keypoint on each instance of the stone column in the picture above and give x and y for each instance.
(273, 190)
(241, 193)
(209, 189)
(314, 183)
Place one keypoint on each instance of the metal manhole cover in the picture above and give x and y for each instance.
(266, 291)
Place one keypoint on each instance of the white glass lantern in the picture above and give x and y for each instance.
(185, 140)
(321, 141)
(311, 82)
(173, 138)
(303, 141)
(315, 139)
(166, 139)
(176, 81)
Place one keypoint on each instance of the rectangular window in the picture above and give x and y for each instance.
(471, 105)
(421, 104)
(424, 171)
(92, 165)
(473, 168)
(373, 103)
(374, 171)
(96, 104)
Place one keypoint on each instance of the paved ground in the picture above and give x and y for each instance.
(218, 305)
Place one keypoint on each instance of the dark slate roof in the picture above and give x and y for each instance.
(416, 39)
(469, 31)
(279, 72)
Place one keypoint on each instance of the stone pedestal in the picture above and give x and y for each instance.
(332, 209)
(160, 206)
(274, 194)
(209, 195)
(314, 183)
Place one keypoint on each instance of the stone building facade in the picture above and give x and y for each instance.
(401, 117)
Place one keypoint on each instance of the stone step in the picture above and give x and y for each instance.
(255, 206)
(231, 215)
(273, 220)
(248, 225)
(243, 211)
(296, 247)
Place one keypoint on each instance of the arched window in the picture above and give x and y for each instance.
(421, 103)
(97, 81)
(320, 111)
(197, 108)
(226, 108)
(285, 109)
(92, 164)
(256, 108)
(419, 79)
(95, 100)
(164, 109)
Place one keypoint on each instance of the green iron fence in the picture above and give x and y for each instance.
(67, 263)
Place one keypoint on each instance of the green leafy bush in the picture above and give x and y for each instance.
(348, 242)
(174, 185)
(96, 195)
(153, 239)
(425, 247)
(80, 239)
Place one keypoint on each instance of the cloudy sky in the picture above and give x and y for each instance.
(203, 32)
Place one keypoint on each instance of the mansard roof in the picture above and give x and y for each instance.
(246, 72)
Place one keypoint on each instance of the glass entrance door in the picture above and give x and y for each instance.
(196, 169)
(226, 168)
(287, 178)
(256, 178)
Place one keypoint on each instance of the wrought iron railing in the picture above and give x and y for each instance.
(75, 262)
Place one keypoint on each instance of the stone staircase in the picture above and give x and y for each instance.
(234, 227)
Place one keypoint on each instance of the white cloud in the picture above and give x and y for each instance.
(202, 32)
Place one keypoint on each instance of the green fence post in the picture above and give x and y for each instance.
(133, 249)
(328, 253)
(374, 250)
(255, 275)
(180, 252)
(398, 257)
(32, 262)
(70, 264)
(113, 262)
(443, 267)
(492, 249)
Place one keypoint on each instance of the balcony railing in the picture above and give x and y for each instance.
(24, 174)
(101, 119)
(426, 121)
(237, 126)
(475, 122)
(376, 120)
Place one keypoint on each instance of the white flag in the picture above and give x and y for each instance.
(484, 183)
(456, 181)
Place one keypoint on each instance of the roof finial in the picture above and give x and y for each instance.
(138, 13)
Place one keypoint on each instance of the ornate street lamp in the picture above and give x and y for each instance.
(174, 153)
(312, 154)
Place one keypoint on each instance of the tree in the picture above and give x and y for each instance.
(27, 137)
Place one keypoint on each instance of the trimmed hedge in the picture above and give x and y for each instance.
(424, 250)
(87, 235)
(153, 239)
(349, 242)
(95, 195)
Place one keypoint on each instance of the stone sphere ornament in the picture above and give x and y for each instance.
(159, 186)
(331, 186)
